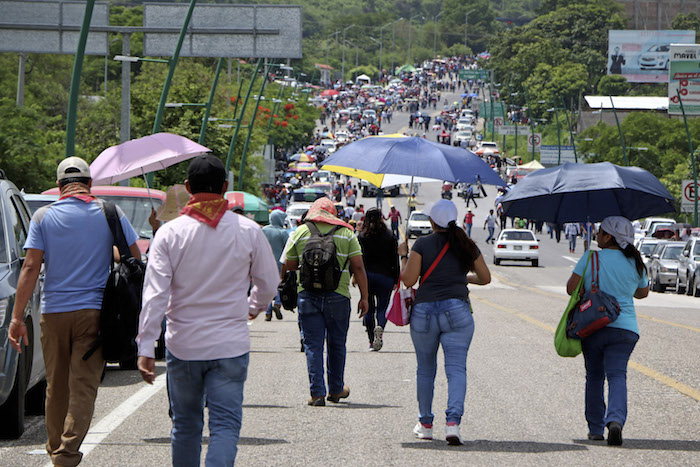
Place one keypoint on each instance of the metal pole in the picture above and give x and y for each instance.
(207, 108)
(393, 48)
(532, 124)
(125, 117)
(692, 159)
(410, 28)
(251, 125)
(516, 138)
(619, 130)
(71, 119)
(571, 131)
(240, 117)
(381, 42)
(556, 117)
(357, 54)
(171, 71)
(20, 79)
(106, 70)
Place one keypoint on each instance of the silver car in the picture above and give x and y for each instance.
(664, 266)
(688, 279)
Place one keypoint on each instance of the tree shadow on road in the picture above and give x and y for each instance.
(481, 445)
(651, 444)
(241, 441)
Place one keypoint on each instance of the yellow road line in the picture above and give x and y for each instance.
(550, 294)
(660, 377)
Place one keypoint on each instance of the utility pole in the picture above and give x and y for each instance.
(20, 79)
(466, 23)
(343, 65)
(435, 28)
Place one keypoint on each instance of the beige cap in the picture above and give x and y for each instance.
(72, 167)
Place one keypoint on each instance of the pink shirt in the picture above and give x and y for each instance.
(199, 278)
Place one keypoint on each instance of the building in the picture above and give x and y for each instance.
(657, 14)
(600, 109)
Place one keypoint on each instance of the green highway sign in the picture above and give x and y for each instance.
(473, 74)
(485, 109)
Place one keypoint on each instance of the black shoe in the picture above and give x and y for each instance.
(614, 434)
(302, 345)
(593, 437)
(268, 317)
(277, 310)
(319, 401)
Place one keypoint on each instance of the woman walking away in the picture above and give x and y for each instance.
(442, 312)
(379, 251)
(607, 351)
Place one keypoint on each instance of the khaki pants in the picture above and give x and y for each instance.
(71, 381)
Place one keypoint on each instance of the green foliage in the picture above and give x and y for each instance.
(613, 85)
(369, 70)
(689, 21)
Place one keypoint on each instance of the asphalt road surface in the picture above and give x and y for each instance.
(524, 404)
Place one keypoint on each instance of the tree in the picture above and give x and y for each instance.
(613, 85)
(689, 21)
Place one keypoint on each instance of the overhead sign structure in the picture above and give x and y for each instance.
(684, 79)
(689, 192)
(499, 109)
(642, 56)
(550, 154)
(474, 74)
(253, 31)
(535, 139)
(51, 27)
(513, 130)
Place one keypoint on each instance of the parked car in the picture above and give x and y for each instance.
(136, 204)
(655, 251)
(646, 246)
(294, 213)
(329, 145)
(38, 201)
(419, 224)
(516, 245)
(664, 266)
(370, 191)
(652, 223)
(462, 135)
(465, 123)
(688, 278)
(22, 376)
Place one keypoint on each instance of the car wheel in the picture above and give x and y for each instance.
(35, 400)
(696, 286)
(654, 285)
(496, 261)
(535, 263)
(689, 285)
(679, 288)
(12, 411)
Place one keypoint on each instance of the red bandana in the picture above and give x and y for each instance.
(206, 207)
(77, 190)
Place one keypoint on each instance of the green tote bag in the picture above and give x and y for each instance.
(564, 345)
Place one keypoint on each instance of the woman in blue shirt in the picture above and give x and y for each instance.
(607, 351)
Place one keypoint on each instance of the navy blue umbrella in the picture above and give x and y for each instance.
(587, 192)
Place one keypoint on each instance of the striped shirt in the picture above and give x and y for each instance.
(346, 246)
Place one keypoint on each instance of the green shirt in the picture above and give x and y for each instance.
(346, 246)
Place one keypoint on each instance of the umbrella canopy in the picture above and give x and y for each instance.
(302, 158)
(304, 167)
(175, 199)
(407, 69)
(587, 192)
(663, 233)
(374, 157)
(533, 165)
(140, 156)
(253, 207)
(329, 93)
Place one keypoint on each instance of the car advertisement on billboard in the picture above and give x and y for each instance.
(643, 56)
(684, 79)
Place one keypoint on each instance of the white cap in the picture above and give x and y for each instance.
(443, 212)
(72, 167)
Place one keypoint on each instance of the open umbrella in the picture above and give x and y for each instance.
(304, 167)
(663, 233)
(302, 158)
(253, 207)
(587, 192)
(143, 155)
(329, 93)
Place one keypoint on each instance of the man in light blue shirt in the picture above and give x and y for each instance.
(73, 239)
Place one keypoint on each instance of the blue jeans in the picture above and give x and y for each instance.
(491, 231)
(606, 354)
(324, 317)
(450, 323)
(572, 242)
(276, 301)
(379, 291)
(468, 228)
(395, 229)
(221, 383)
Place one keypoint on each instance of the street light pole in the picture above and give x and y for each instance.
(381, 44)
(343, 66)
(619, 130)
(435, 33)
(692, 159)
(393, 48)
(466, 22)
(571, 131)
(410, 28)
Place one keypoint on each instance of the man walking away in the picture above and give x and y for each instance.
(491, 223)
(571, 231)
(74, 240)
(380, 198)
(200, 268)
(470, 195)
(324, 307)
(395, 218)
(277, 237)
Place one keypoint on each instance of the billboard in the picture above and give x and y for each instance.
(643, 56)
(684, 79)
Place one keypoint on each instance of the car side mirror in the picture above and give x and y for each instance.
(539, 239)
(655, 256)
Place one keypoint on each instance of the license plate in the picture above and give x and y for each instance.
(517, 247)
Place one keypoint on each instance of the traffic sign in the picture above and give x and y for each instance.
(498, 121)
(537, 139)
(688, 195)
(473, 74)
(550, 154)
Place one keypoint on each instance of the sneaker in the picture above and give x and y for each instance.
(423, 431)
(318, 401)
(278, 312)
(452, 435)
(343, 395)
(614, 434)
(378, 342)
(268, 317)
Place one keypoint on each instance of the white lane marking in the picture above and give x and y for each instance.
(116, 417)
(573, 260)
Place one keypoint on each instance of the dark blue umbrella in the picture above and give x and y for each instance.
(464, 95)
(375, 156)
(473, 95)
(587, 192)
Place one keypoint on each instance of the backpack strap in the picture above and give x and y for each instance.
(435, 263)
(595, 269)
(119, 240)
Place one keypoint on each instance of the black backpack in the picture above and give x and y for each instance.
(121, 305)
(320, 268)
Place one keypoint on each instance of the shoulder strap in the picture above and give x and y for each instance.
(312, 228)
(595, 269)
(111, 213)
(435, 263)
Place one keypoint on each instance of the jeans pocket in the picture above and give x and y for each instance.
(234, 369)
(458, 315)
(420, 321)
(337, 307)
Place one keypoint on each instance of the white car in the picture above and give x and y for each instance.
(516, 245)
(294, 213)
(464, 123)
(342, 136)
(329, 145)
(419, 224)
(466, 113)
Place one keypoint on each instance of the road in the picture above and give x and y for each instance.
(524, 404)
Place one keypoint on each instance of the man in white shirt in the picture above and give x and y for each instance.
(200, 267)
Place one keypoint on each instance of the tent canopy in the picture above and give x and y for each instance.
(364, 78)
(534, 165)
(407, 68)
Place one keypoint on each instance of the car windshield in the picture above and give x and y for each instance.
(36, 204)
(657, 226)
(419, 217)
(521, 236)
(647, 248)
(137, 210)
(297, 212)
(672, 252)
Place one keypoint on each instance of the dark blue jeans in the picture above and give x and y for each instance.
(324, 317)
(379, 290)
(606, 354)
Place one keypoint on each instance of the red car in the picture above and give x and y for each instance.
(136, 204)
